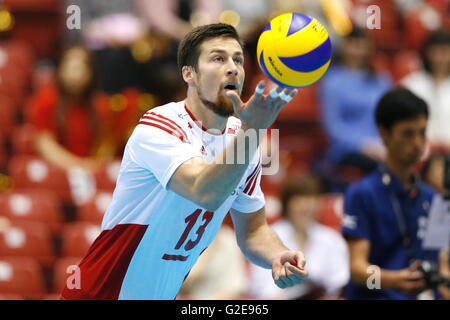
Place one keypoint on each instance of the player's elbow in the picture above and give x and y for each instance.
(210, 203)
(208, 199)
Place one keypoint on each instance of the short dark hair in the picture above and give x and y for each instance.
(440, 37)
(397, 105)
(189, 47)
(300, 185)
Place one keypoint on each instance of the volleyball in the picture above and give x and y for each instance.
(294, 50)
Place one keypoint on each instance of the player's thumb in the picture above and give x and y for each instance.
(235, 100)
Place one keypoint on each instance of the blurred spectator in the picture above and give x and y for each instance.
(325, 248)
(175, 18)
(388, 35)
(433, 85)
(75, 124)
(423, 18)
(109, 28)
(220, 272)
(386, 213)
(348, 93)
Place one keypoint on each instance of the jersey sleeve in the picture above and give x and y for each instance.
(355, 223)
(250, 197)
(161, 147)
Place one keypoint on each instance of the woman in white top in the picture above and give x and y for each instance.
(433, 85)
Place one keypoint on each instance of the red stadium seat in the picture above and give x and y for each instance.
(77, 237)
(20, 54)
(331, 211)
(94, 210)
(10, 296)
(23, 140)
(60, 272)
(29, 172)
(404, 63)
(3, 156)
(21, 277)
(106, 176)
(7, 115)
(24, 238)
(32, 205)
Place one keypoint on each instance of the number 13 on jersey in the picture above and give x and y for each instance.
(191, 243)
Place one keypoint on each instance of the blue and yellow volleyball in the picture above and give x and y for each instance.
(294, 50)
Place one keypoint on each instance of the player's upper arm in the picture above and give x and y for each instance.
(168, 156)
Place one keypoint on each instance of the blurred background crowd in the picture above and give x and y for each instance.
(70, 97)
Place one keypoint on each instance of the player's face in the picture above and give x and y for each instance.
(220, 68)
(406, 140)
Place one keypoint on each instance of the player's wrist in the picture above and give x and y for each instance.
(253, 125)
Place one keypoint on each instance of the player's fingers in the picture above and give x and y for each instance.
(280, 284)
(301, 261)
(285, 96)
(274, 94)
(259, 90)
(235, 100)
(300, 273)
(289, 279)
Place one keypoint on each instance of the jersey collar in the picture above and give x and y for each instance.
(199, 124)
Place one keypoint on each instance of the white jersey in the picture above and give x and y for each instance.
(151, 236)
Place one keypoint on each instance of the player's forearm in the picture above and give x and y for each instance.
(218, 179)
(262, 246)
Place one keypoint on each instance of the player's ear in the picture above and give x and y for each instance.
(188, 74)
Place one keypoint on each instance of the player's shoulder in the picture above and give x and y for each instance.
(172, 111)
(167, 119)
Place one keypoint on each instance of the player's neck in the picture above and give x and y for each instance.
(207, 117)
(402, 172)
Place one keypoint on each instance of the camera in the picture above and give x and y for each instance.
(431, 275)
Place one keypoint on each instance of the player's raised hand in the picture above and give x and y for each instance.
(261, 110)
(289, 269)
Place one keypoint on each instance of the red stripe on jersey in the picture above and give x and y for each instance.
(175, 133)
(160, 121)
(253, 172)
(252, 182)
(171, 121)
(250, 192)
(174, 257)
(104, 267)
